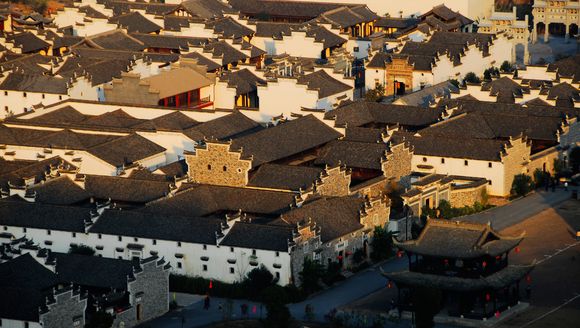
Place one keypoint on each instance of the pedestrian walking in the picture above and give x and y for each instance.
(206, 302)
(566, 186)
(528, 292)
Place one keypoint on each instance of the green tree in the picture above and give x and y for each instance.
(39, 6)
(522, 185)
(574, 158)
(375, 94)
(381, 244)
(541, 178)
(310, 276)
(471, 78)
(258, 279)
(559, 167)
(454, 82)
(81, 249)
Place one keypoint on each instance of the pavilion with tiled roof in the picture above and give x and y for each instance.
(467, 262)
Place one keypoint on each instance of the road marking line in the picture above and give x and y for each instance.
(547, 257)
(551, 311)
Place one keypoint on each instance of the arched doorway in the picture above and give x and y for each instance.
(573, 30)
(557, 29)
(540, 28)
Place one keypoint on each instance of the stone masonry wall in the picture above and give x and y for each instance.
(516, 156)
(68, 307)
(467, 197)
(398, 162)
(217, 165)
(334, 182)
(130, 89)
(376, 213)
(149, 293)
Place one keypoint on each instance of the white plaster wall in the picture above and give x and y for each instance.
(536, 73)
(175, 143)
(15, 102)
(422, 77)
(475, 168)
(284, 97)
(224, 97)
(373, 74)
(82, 89)
(358, 47)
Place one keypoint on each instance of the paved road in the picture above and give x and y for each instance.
(519, 210)
(370, 280)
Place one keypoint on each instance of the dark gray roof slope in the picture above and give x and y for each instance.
(126, 150)
(258, 236)
(285, 140)
(129, 190)
(335, 216)
(567, 68)
(35, 83)
(203, 200)
(243, 81)
(60, 191)
(135, 22)
(224, 127)
(28, 42)
(40, 216)
(364, 113)
(285, 177)
(164, 227)
(353, 154)
(207, 8)
(227, 27)
(325, 84)
(92, 271)
(292, 9)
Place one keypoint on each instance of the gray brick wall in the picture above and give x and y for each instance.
(63, 312)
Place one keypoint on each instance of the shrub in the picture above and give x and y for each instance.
(311, 273)
(274, 297)
(541, 178)
(333, 273)
(81, 249)
(375, 94)
(454, 82)
(257, 280)
(381, 244)
(358, 256)
(506, 67)
(471, 78)
(522, 185)
(99, 320)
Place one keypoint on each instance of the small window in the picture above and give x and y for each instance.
(443, 161)
(100, 236)
(254, 252)
(74, 234)
(277, 254)
(59, 97)
(466, 163)
(277, 275)
(26, 324)
(232, 271)
(120, 257)
(489, 182)
(24, 230)
(24, 94)
(48, 232)
(5, 228)
(489, 164)
(231, 249)
(225, 168)
(6, 93)
(135, 239)
(239, 170)
(424, 159)
(119, 238)
(179, 265)
(154, 241)
(204, 267)
(6, 108)
(209, 167)
(356, 49)
(204, 247)
(43, 96)
(178, 244)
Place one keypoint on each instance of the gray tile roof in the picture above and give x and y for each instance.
(284, 140)
(285, 177)
(135, 22)
(35, 83)
(50, 217)
(360, 155)
(325, 84)
(258, 236)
